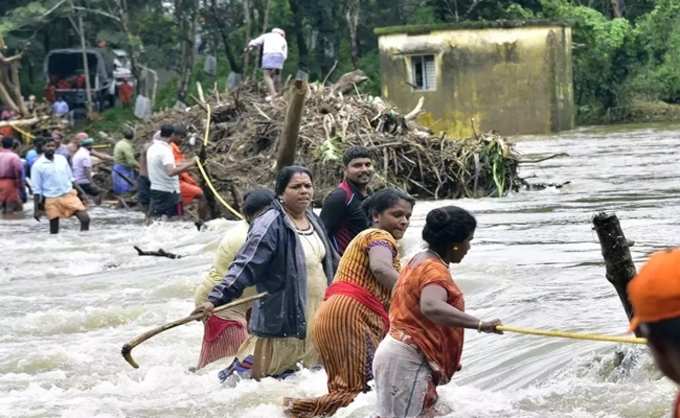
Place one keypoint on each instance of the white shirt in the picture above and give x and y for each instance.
(273, 43)
(158, 156)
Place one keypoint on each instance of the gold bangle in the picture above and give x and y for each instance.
(479, 326)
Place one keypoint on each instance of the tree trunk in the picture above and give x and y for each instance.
(224, 35)
(303, 54)
(352, 16)
(291, 126)
(249, 33)
(187, 15)
(615, 249)
(617, 8)
(86, 67)
(16, 87)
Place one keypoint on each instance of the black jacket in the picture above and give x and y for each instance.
(272, 259)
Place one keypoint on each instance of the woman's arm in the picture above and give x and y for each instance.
(435, 308)
(380, 262)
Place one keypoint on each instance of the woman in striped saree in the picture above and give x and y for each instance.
(353, 319)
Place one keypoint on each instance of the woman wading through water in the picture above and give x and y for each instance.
(427, 318)
(287, 254)
(353, 319)
(225, 331)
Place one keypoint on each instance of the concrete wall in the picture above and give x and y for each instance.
(511, 80)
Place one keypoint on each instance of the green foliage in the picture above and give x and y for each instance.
(657, 76)
(601, 56)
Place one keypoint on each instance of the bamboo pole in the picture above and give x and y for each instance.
(291, 126)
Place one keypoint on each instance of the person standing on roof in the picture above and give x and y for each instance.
(274, 54)
(342, 214)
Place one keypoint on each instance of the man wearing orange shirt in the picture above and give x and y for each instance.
(189, 189)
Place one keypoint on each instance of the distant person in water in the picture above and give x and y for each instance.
(124, 174)
(225, 331)
(11, 181)
(53, 192)
(164, 176)
(342, 214)
(655, 296)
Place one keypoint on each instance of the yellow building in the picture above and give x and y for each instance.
(511, 77)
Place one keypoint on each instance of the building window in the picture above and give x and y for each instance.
(422, 68)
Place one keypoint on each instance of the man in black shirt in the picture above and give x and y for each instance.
(341, 213)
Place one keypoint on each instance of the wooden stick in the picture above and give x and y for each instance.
(619, 265)
(126, 351)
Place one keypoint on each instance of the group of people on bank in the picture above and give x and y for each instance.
(337, 294)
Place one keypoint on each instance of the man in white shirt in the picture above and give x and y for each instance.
(60, 108)
(163, 175)
(274, 54)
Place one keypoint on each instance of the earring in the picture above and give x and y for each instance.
(455, 248)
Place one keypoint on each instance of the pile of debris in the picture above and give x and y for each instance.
(244, 131)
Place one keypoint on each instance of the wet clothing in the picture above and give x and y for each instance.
(418, 353)
(124, 154)
(81, 163)
(119, 174)
(227, 330)
(410, 391)
(164, 204)
(63, 206)
(275, 356)
(143, 191)
(188, 187)
(349, 325)
(272, 259)
(90, 189)
(51, 178)
(11, 181)
(342, 215)
(10, 200)
(406, 317)
(158, 156)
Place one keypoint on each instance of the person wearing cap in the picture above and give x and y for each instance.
(655, 297)
(82, 169)
(274, 54)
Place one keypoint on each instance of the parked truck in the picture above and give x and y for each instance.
(65, 75)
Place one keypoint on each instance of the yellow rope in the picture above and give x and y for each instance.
(572, 335)
(29, 136)
(205, 174)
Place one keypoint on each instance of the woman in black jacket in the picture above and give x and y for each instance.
(287, 254)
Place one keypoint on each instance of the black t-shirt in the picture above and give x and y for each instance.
(342, 215)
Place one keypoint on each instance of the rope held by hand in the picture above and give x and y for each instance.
(572, 335)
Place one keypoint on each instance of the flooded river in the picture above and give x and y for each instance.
(68, 303)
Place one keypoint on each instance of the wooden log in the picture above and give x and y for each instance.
(619, 265)
(347, 81)
(291, 126)
(23, 122)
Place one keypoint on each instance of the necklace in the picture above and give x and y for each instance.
(441, 260)
(295, 222)
(313, 241)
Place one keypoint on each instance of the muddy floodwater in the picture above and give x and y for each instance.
(68, 303)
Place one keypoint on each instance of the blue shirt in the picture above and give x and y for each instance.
(51, 178)
(31, 156)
